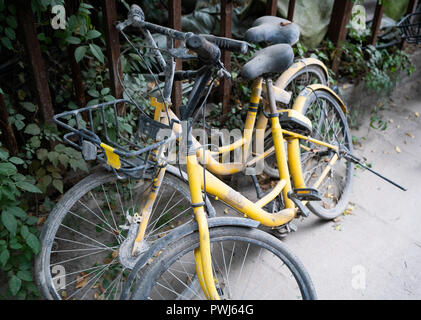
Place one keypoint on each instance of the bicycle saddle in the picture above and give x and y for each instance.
(273, 59)
(273, 29)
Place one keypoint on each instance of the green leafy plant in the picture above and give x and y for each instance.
(18, 234)
(80, 31)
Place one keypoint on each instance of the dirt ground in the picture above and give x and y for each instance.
(374, 252)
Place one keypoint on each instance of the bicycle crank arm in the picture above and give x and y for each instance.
(356, 160)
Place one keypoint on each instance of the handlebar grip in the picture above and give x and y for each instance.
(205, 50)
(232, 45)
(136, 14)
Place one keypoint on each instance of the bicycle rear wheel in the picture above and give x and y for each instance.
(329, 125)
(247, 263)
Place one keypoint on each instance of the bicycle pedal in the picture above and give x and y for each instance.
(307, 194)
(284, 230)
(302, 209)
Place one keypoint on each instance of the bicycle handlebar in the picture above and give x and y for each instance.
(207, 47)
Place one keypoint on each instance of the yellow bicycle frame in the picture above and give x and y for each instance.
(289, 165)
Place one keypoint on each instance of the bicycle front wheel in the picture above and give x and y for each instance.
(247, 264)
(85, 243)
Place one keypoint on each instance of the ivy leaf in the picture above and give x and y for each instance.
(10, 33)
(28, 187)
(28, 106)
(11, 21)
(9, 221)
(73, 40)
(93, 93)
(32, 129)
(80, 53)
(64, 160)
(58, 184)
(16, 160)
(33, 242)
(17, 212)
(7, 169)
(105, 91)
(14, 285)
(24, 231)
(42, 155)
(24, 275)
(4, 257)
(92, 34)
(14, 244)
(6, 42)
(96, 51)
(3, 154)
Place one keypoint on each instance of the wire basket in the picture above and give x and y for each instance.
(100, 133)
(410, 27)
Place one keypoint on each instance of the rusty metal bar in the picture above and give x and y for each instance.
(341, 13)
(113, 48)
(377, 20)
(272, 7)
(33, 50)
(78, 85)
(291, 9)
(226, 31)
(174, 21)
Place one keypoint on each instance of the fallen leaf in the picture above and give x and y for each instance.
(391, 120)
(41, 220)
(417, 114)
(409, 134)
(64, 294)
(349, 210)
(397, 149)
(115, 254)
(81, 280)
(338, 227)
(226, 211)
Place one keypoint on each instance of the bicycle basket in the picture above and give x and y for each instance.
(100, 133)
(410, 27)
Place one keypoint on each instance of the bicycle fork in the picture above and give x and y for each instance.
(202, 254)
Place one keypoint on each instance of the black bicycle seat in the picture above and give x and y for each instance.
(273, 59)
(274, 30)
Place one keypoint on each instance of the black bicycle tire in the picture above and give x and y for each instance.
(188, 243)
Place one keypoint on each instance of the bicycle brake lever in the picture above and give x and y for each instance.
(222, 72)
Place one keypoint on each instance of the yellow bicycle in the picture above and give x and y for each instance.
(130, 230)
(99, 230)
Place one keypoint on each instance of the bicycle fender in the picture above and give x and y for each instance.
(297, 66)
(178, 233)
(302, 97)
